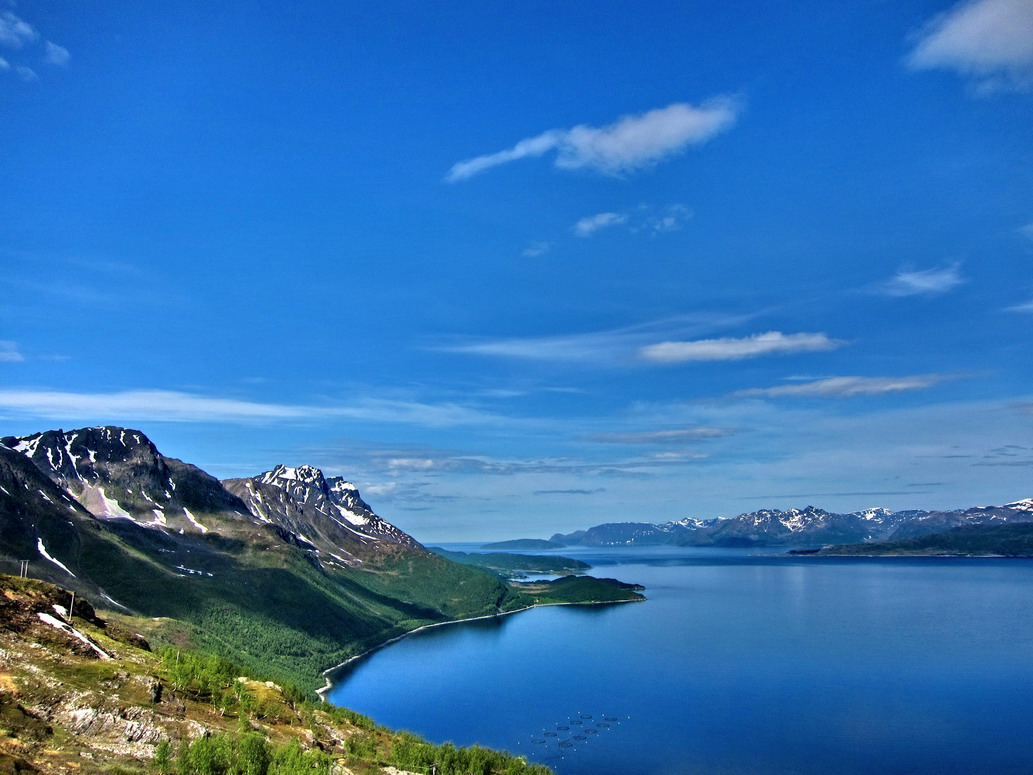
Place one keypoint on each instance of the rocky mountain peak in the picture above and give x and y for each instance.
(304, 475)
(325, 514)
(118, 473)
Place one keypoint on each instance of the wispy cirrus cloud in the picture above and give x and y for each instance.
(619, 346)
(9, 352)
(21, 37)
(536, 249)
(847, 387)
(594, 491)
(733, 349)
(14, 32)
(643, 219)
(988, 40)
(56, 55)
(1026, 307)
(669, 436)
(922, 282)
(176, 406)
(631, 143)
(589, 225)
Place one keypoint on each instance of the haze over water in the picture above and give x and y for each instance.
(736, 664)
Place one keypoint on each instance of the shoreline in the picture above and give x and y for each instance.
(326, 673)
(940, 556)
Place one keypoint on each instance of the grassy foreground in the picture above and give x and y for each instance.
(98, 700)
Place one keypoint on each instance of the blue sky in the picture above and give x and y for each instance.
(519, 268)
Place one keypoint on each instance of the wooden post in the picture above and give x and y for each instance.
(71, 608)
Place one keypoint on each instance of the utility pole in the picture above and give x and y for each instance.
(71, 608)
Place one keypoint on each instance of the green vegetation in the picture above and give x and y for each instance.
(581, 589)
(252, 754)
(1010, 540)
(269, 607)
(525, 543)
(193, 714)
(511, 565)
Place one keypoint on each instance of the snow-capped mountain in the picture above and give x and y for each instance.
(327, 514)
(117, 473)
(809, 526)
(117, 476)
(627, 534)
(928, 522)
(38, 519)
(313, 574)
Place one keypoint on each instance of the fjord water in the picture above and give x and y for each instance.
(737, 663)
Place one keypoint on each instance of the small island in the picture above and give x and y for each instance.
(525, 544)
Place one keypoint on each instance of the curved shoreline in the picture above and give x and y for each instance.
(326, 673)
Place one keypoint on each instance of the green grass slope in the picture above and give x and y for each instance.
(124, 710)
(267, 606)
(508, 564)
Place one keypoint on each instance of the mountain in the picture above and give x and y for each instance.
(638, 533)
(809, 526)
(117, 473)
(103, 512)
(289, 572)
(327, 515)
(927, 523)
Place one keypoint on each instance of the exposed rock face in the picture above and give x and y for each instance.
(327, 514)
(117, 473)
(39, 521)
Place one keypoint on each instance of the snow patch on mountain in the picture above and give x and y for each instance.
(194, 521)
(47, 556)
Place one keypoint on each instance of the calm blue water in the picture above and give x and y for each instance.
(736, 664)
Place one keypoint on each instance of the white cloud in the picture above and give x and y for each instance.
(671, 218)
(14, 32)
(589, 225)
(612, 347)
(672, 436)
(27, 74)
(631, 143)
(4, 64)
(847, 387)
(1027, 231)
(922, 282)
(57, 55)
(730, 349)
(644, 218)
(1025, 307)
(9, 352)
(175, 406)
(536, 249)
(990, 40)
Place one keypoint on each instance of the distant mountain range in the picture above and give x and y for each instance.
(809, 526)
(288, 571)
